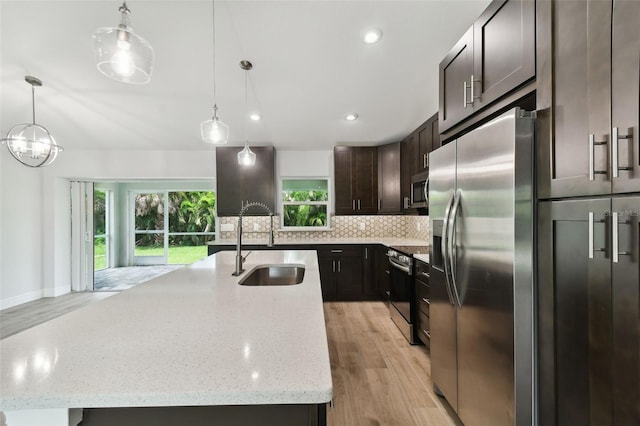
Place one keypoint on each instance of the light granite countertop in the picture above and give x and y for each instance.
(422, 257)
(188, 338)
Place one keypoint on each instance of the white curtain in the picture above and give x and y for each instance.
(81, 236)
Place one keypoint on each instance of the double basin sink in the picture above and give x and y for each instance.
(281, 274)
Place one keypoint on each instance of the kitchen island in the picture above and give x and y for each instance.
(191, 338)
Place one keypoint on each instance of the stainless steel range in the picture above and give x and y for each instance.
(401, 294)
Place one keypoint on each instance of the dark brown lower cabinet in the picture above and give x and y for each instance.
(423, 302)
(382, 272)
(589, 311)
(341, 272)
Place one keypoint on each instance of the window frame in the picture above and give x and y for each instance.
(282, 204)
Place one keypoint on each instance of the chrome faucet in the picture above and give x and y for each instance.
(239, 258)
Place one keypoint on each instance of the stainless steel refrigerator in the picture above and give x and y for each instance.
(481, 216)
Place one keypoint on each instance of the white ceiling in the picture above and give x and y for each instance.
(310, 69)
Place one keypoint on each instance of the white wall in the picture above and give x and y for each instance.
(35, 222)
(21, 215)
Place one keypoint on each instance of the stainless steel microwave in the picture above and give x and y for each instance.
(419, 192)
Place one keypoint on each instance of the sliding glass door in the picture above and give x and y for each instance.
(172, 227)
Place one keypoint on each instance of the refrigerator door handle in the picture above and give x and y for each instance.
(443, 247)
(451, 244)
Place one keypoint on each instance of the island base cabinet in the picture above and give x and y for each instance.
(589, 312)
(228, 415)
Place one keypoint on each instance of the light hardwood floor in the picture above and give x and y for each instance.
(27, 315)
(378, 377)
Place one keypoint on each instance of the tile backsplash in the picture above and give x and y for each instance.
(255, 227)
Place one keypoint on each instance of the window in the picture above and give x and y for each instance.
(305, 203)
(172, 227)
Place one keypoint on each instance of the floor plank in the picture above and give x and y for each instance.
(378, 377)
(27, 315)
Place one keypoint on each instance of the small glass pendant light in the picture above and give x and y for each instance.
(246, 157)
(30, 143)
(214, 131)
(121, 54)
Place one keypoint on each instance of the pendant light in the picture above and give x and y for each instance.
(32, 144)
(214, 131)
(121, 54)
(246, 157)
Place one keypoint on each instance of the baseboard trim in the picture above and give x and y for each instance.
(20, 299)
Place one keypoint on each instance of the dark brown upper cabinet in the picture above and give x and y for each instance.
(356, 179)
(414, 157)
(494, 57)
(588, 97)
(389, 197)
(428, 140)
(237, 185)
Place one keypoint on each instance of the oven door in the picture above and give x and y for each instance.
(400, 286)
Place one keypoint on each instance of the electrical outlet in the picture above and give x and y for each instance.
(256, 227)
(362, 226)
(226, 227)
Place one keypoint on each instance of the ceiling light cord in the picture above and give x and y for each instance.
(213, 39)
(33, 103)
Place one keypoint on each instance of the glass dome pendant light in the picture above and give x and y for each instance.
(32, 144)
(214, 131)
(246, 157)
(121, 54)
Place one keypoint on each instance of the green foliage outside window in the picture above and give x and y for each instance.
(189, 211)
(305, 202)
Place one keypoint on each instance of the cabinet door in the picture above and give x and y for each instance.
(504, 49)
(625, 87)
(342, 172)
(389, 200)
(455, 72)
(425, 144)
(574, 297)
(408, 152)
(626, 313)
(382, 272)
(236, 185)
(369, 279)
(574, 98)
(327, 278)
(365, 176)
(349, 278)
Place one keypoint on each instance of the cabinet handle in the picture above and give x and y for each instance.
(366, 252)
(615, 238)
(333, 265)
(427, 333)
(427, 301)
(359, 204)
(615, 139)
(424, 161)
(473, 83)
(464, 93)
(427, 158)
(591, 232)
(336, 251)
(353, 204)
(379, 203)
(426, 274)
(592, 167)
(339, 265)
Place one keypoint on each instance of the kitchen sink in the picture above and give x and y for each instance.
(281, 274)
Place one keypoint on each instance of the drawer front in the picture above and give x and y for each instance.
(422, 297)
(423, 329)
(340, 251)
(422, 272)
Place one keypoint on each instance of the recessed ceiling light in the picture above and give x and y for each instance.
(372, 36)
(352, 116)
(255, 117)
